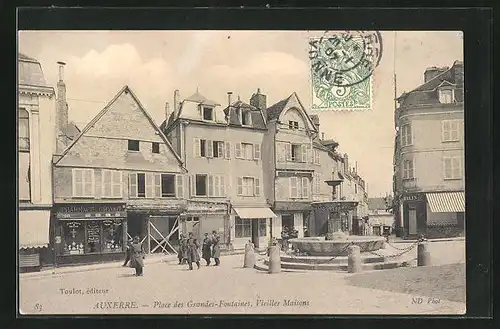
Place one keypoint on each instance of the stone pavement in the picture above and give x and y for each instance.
(167, 288)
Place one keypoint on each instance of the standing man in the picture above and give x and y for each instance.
(128, 252)
(181, 251)
(216, 247)
(137, 256)
(193, 255)
(206, 252)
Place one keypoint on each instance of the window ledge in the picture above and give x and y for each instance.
(83, 197)
(409, 179)
(451, 141)
(458, 178)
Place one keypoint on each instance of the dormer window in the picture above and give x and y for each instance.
(446, 93)
(208, 114)
(246, 119)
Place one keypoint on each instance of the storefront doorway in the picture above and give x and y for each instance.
(287, 221)
(137, 226)
(412, 221)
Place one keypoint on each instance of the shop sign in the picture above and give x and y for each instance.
(91, 211)
(412, 197)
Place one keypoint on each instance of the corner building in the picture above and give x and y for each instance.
(429, 185)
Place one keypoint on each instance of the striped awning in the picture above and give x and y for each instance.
(33, 228)
(255, 213)
(446, 201)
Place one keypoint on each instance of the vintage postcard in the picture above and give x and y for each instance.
(241, 172)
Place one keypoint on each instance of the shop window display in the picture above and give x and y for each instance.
(74, 238)
(112, 235)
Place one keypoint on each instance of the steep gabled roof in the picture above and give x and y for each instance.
(274, 111)
(125, 89)
(30, 73)
(199, 98)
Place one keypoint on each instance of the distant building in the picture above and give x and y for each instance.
(380, 215)
(429, 180)
(36, 145)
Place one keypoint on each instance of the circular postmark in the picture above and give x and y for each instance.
(343, 59)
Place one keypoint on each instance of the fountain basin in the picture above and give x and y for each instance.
(318, 246)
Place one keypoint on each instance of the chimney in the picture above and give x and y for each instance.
(259, 100)
(62, 111)
(433, 71)
(346, 163)
(458, 72)
(229, 93)
(167, 112)
(322, 136)
(176, 101)
(315, 120)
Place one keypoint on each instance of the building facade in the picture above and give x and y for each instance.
(380, 215)
(429, 154)
(119, 178)
(36, 143)
(222, 150)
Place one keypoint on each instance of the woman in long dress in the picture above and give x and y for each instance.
(206, 252)
(137, 259)
(193, 255)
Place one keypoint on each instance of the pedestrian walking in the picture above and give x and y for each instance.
(216, 247)
(128, 252)
(182, 250)
(206, 251)
(137, 257)
(193, 255)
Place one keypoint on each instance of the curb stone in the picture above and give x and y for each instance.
(152, 259)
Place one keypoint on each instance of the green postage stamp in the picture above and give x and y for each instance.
(342, 64)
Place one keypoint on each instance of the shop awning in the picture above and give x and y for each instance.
(446, 201)
(254, 213)
(33, 228)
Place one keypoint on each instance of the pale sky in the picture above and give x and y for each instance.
(155, 63)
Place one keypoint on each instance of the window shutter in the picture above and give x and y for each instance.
(280, 152)
(238, 150)
(288, 151)
(303, 148)
(310, 153)
(117, 184)
(256, 186)
(210, 180)
(239, 189)
(210, 148)
(256, 151)
(179, 184)
(74, 187)
(157, 185)
(447, 168)
(196, 148)
(305, 187)
(222, 186)
(132, 190)
(220, 149)
(228, 150)
(216, 186)
(456, 170)
(293, 187)
(192, 179)
(149, 185)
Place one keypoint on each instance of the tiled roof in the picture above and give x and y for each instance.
(199, 98)
(376, 204)
(30, 72)
(274, 111)
(427, 92)
(232, 117)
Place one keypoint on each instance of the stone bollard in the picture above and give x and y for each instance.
(274, 260)
(354, 264)
(249, 261)
(423, 255)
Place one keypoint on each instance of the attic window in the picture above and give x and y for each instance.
(133, 145)
(246, 119)
(155, 147)
(208, 114)
(446, 96)
(293, 125)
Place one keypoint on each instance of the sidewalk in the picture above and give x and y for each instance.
(393, 239)
(150, 259)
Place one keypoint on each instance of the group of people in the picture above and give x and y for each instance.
(189, 250)
(287, 234)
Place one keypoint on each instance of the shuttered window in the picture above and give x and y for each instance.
(83, 183)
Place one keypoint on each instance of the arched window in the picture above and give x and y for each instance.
(24, 130)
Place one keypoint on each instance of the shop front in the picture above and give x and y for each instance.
(203, 217)
(33, 239)
(89, 233)
(445, 214)
(414, 215)
(156, 223)
(294, 215)
(252, 224)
